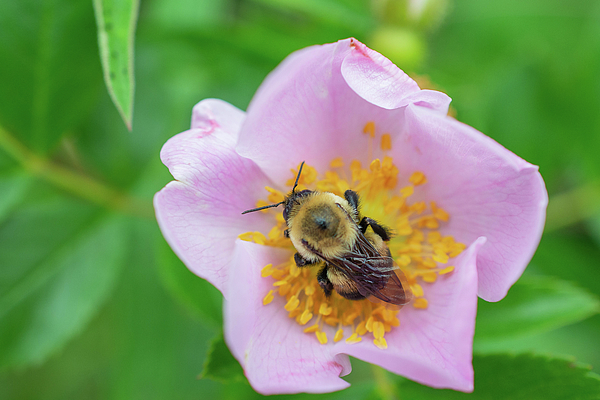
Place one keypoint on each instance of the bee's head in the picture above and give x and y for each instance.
(290, 201)
(294, 201)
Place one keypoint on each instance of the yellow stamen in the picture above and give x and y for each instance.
(354, 338)
(407, 191)
(417, 290)
(369, 324)
(266, 271)
(381, 343)
(246, 236)
(349, 319)
(420, 303)
(336, 163)
(321, 337)
(339, 335)
(386, 142)
(268, 298)
(369, 128)
(378, 329)
(324, 309)
(418, 178)
(275, 195)
(292, 303)
(375, 165)
(259, 238)
(440, 257)
(439, 213)
(446, 270)
(361, 329)
(305, 317)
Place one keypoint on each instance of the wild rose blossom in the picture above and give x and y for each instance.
(467, 216)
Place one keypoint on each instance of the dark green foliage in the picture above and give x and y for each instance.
(533, 305)
(519, 377)
(220, 364)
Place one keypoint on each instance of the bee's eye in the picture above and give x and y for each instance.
(293, 200)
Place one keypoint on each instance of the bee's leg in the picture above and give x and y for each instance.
(352, 199)
(301, 261)
(286, 234)
(378, 229)
(324, 281)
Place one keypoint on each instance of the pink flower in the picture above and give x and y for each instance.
(316, 107)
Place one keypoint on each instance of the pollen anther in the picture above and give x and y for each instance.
(268, 298)
(386, 142)
(369, 128)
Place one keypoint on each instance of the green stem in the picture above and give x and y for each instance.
(73, 182)
(384, 384)
(574, 206)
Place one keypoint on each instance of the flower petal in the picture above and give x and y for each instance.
(277, 356)
(314, 106)
(200, 213)
(487, 190)
(433, 346)
(375, 78)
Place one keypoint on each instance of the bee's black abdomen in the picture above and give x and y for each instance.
(351, 295)
(324, 281)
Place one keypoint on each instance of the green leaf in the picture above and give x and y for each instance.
(50, 71)
(13, 187)
(570, 255)
(199, 296)
(60, 260)
(594, 228)
(534, 304)
(539, 71)
(517, 377)
(331, 13)
(141, 345)
(220, 365)
(116, 22)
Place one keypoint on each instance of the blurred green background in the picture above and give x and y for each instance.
(94, 305)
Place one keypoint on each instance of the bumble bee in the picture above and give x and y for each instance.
(327, 229)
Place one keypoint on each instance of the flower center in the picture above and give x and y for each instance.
(417, 247)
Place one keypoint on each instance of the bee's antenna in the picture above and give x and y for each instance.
(298, 177)
(263, 207)
(281, 202)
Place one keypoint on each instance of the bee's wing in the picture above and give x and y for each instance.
(396, 291)
(387, 284)
(375, 275)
